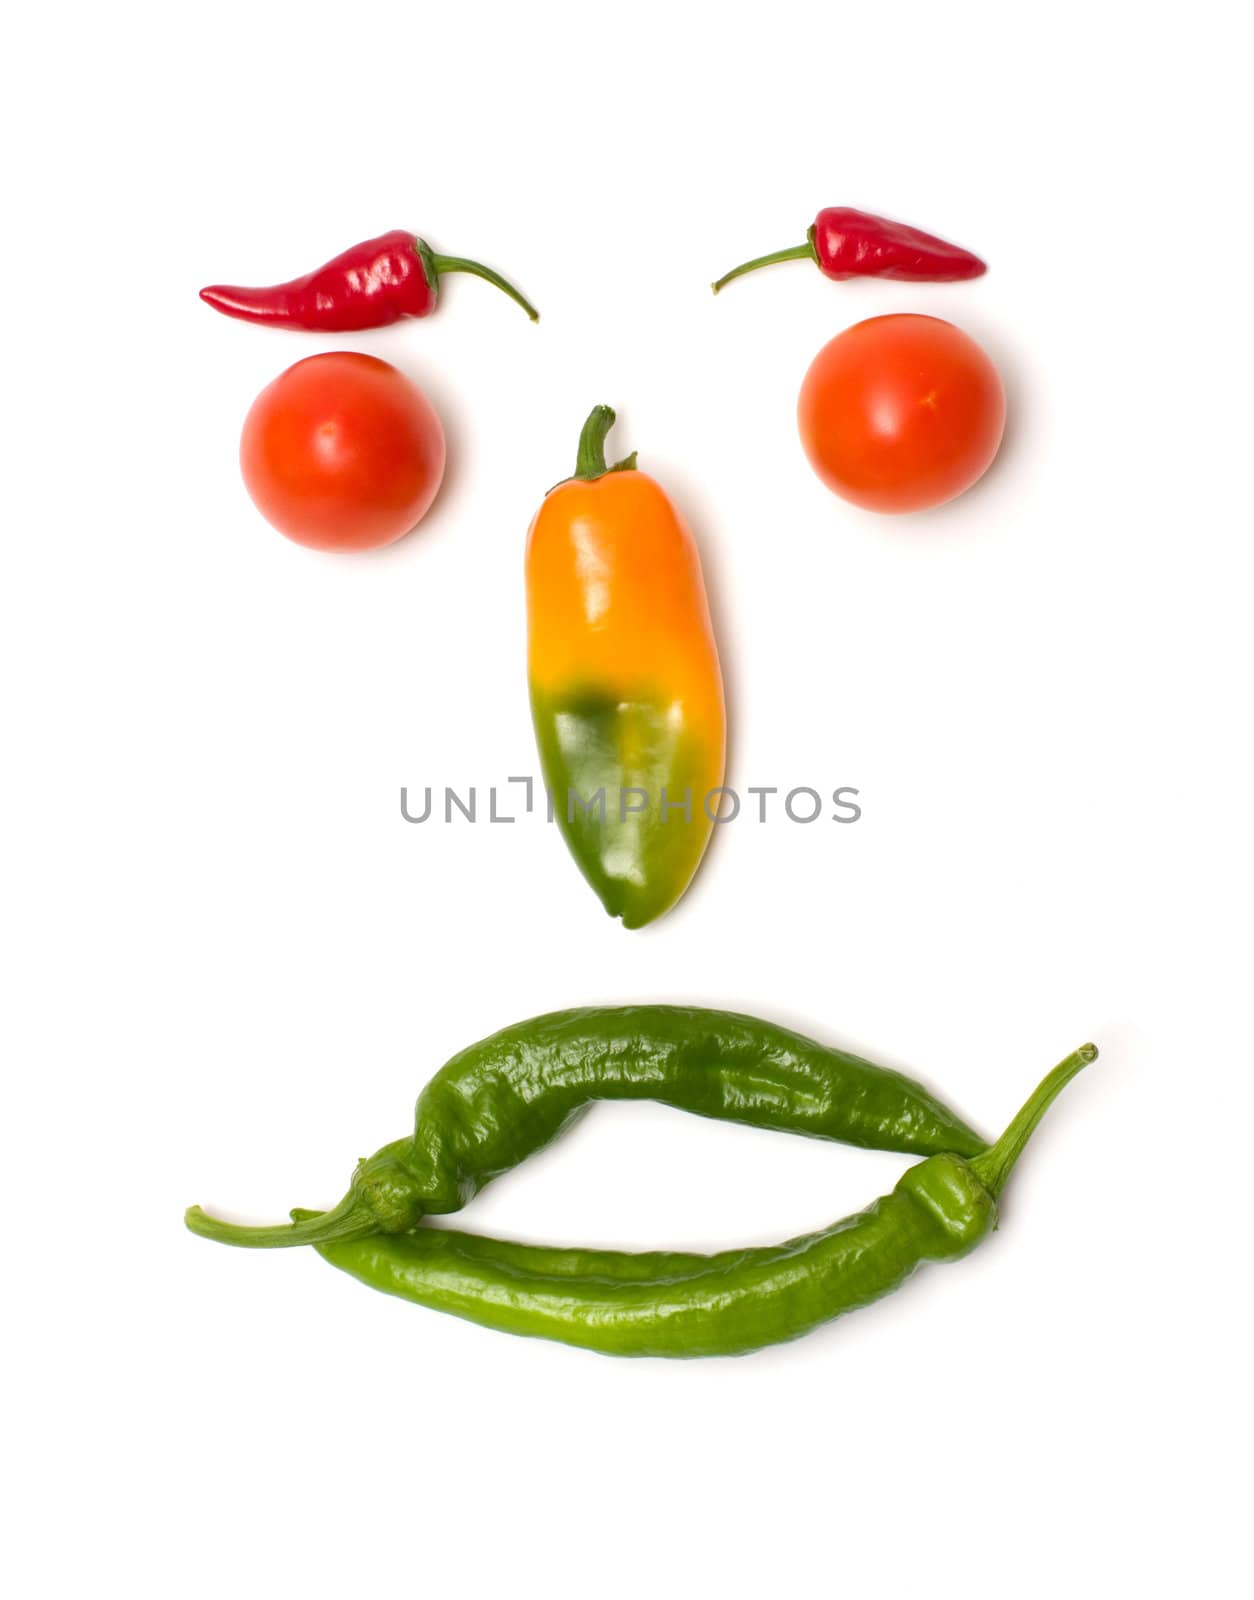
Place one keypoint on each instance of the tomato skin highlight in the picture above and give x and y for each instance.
(901, 413)
(342, 452)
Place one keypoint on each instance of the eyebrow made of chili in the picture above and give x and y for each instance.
(500, 1100)
(856, 244)
(674, 1304)
(367, 286)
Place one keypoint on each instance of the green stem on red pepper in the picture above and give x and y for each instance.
(437, 265)
(796, 252)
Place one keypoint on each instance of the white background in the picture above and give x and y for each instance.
(230, 964)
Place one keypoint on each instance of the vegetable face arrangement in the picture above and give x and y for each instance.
(502, 1099)
(342, 452)
(626, 693)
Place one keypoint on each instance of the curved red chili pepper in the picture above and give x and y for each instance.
(369, 285)
(855, 244)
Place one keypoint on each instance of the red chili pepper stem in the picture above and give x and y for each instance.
(590, 459)
(796, 252)
(434, 266)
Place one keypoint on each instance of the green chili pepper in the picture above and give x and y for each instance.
(506, 1097)
(672, 1304)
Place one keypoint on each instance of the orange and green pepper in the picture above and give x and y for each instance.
(626, 691)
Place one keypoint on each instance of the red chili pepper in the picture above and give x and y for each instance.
(854, 244)
(370, 285)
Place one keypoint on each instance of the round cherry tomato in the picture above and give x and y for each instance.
(342, 452)
(901, 413)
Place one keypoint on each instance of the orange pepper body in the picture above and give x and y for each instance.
(626, 691)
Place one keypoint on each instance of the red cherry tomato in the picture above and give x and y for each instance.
(342, 452)
(901, 413)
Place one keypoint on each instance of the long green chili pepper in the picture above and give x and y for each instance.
(672, 1304)
(506, 1097)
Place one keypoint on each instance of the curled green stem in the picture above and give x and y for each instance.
(796, 252)
(442, 264)
(351, 1219)
(993, 1166)
(590, 457)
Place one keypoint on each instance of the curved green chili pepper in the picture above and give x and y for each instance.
(677, 1304)
(506, 1097)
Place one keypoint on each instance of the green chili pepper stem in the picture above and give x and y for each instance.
(796, 252)
(442, 264)
(590, 458)
(994, 1165)
(348, 1220)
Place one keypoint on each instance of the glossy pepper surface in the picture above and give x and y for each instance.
(845, 243)
(664, 1303)
(626, 689)
(497, 1102)
(367, 286)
